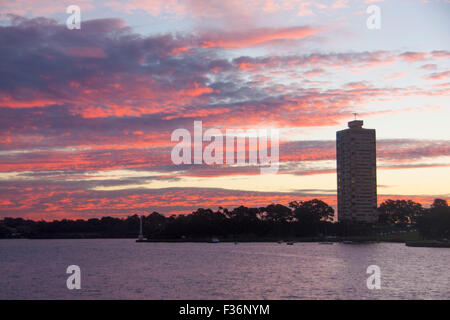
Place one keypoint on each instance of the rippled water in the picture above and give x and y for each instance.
(123, 269)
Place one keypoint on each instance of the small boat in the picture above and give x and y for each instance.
(290, 243)
(326, 242)
(213, 240)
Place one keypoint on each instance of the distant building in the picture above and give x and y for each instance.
(356, 173)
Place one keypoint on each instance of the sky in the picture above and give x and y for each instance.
(86, 115)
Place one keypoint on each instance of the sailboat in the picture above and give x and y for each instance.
(141, 235)
(214, 240)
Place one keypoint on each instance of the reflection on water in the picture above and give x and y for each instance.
(123, 269)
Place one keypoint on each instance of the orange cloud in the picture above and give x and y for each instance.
(256, 37)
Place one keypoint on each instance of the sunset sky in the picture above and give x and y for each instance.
(87, 115)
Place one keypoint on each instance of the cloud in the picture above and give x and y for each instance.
(157, 158)
(429, 66)
(439, 75)
(256, 36)
(339, 4)
(41, 8)
(66, 201)
(413, 56)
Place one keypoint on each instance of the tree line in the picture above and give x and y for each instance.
(313, 218)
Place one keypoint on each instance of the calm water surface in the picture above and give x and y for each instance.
(123, 269)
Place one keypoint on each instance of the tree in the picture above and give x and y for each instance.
(243, 220)
(399, 211)
(312, 211)
(154, 224)
(439, 203)
(206, 222)
(435, 223)
(277, 213)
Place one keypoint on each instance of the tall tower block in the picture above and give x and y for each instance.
(356, 173)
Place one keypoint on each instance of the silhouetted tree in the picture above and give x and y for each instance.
(277, 213)
(154, 224)
(435, 223)
(439, 203)
(243, 220)
(305, 218)
(399, 211)
(312, 210)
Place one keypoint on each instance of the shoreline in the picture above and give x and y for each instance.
(207, 240)
(349, 241)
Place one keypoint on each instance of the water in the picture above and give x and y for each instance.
(123, 269)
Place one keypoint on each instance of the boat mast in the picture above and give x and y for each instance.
(141, 236)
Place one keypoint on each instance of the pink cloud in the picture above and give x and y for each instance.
(413, 56)
(439, 75)
(256, 37)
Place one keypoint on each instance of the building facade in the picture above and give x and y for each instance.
(356, 173)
